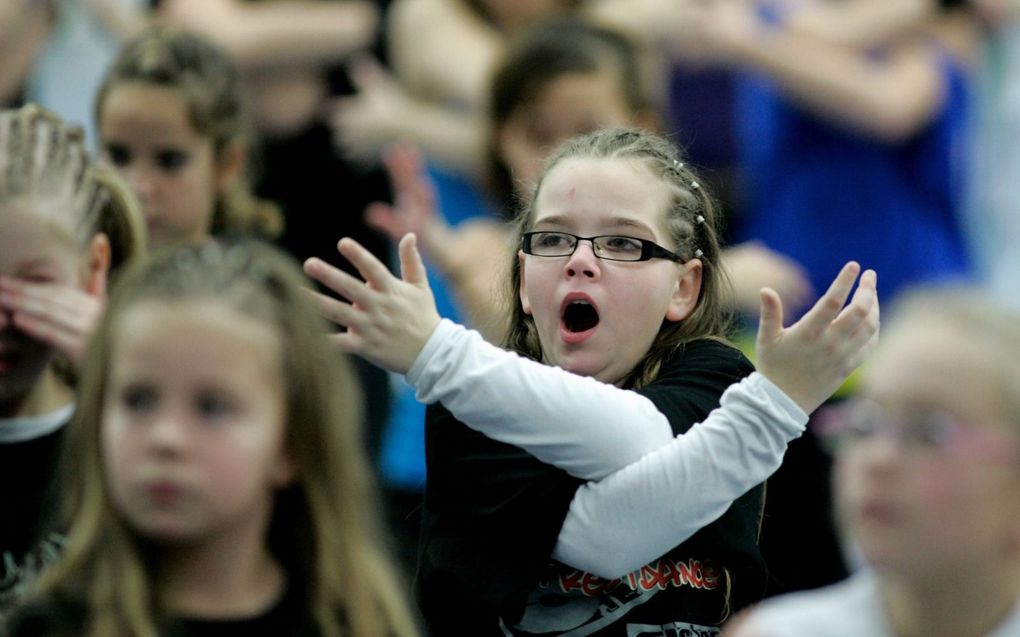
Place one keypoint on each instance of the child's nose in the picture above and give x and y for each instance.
(167, 432)
(583, 261)
(142, 182)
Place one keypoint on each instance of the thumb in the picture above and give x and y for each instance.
(412, 268)
(771, 322)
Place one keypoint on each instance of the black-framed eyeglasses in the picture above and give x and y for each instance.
(612, 247)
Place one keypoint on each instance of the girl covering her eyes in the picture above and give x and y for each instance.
(215, 480)
(569, 488)
(65, 223)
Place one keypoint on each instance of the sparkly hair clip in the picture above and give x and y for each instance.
(699, 219)
(695, 185)
(698, 254)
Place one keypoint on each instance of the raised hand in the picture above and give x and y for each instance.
(60, 315)
(388, 319)
(810, 359)
(751, 266)
(414, 197)
(374, 117)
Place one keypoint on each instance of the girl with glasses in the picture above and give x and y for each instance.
(567, 482)
(927, 472)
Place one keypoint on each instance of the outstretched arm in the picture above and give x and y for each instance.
(619, 524)
(585, 427)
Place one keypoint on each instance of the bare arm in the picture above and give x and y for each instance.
(888, 97)
(861, 23)
(281, 33)
(24, 28)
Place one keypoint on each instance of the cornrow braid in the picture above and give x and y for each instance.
(694, 225)
(44, 164)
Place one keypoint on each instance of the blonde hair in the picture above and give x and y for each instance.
(977, 319)
(44, 165)
(210, 85)
(693, 223)
(324, 528)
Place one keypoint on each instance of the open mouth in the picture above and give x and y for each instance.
(579, 316)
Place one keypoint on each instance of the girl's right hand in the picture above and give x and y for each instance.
(810, 359)
(60, 315)
(388, 319)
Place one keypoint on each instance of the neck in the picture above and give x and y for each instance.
(48, 394)
(221, 578)
(964, 603)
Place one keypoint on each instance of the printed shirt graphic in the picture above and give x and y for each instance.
(672, 597)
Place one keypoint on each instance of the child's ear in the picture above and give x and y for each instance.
(523, 291)
(230, 166)
(688, 289)
(97, 265)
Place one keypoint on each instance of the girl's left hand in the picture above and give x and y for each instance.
(60, 315)
(388, 319)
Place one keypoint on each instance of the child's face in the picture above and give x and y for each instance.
(194, 423)
(628, 300)
(172, 169)
(34, 250)
(568, 106)
(944, 499)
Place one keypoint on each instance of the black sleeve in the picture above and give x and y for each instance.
(491, 517)
(690, 384)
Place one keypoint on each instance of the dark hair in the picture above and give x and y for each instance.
(206, 77)
(554, 48)
(693, 222)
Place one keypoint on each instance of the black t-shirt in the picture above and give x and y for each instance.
(290, 616)
(492, 514)
(28, 501)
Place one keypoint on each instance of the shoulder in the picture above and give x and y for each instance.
(846, 609)
(692, 380)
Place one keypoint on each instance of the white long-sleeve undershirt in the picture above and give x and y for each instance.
(653, 490)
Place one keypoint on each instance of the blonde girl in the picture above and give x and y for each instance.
(587, 453)
(216, 478)
(926, 478)
(172, 121)
(64, 224)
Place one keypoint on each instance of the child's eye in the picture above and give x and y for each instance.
(138, 398)
(172, 159)
(551, 240)
(213, 406)
(118, 155)
(621, 244)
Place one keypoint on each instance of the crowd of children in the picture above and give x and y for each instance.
(190, 414)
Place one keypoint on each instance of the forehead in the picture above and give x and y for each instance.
(937, 365)
(596, 193)
(146, 111)
(33, 234)
(195, 336)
